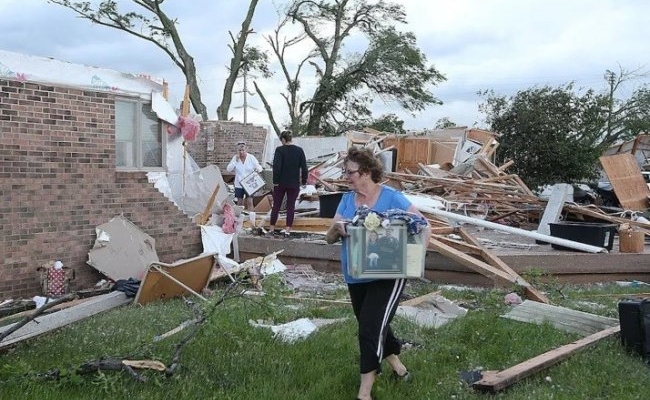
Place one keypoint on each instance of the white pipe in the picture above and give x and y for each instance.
(522, 232)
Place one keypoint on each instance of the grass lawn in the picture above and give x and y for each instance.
(230, 359)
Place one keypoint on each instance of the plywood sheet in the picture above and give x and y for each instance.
(194, 273)
(625, 176)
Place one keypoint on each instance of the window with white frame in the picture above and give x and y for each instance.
(138, 134)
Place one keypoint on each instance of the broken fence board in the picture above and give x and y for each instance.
(502, 379)
(562, 318)
(59, 319)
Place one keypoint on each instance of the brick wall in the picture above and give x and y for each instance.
(58, 182)
(217, 143)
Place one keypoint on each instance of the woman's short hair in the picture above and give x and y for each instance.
(286, 136)
(367, 162)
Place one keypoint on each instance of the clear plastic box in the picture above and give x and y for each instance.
(385, 253)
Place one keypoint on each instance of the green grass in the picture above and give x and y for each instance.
(230, 359)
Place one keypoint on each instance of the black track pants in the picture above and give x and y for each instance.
(374, 304)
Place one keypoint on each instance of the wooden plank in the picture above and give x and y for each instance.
(625, 176)
(420, 299)
(506, 165)
(59, 319)
(306, 224)
(562, 318)
(495, 261)
(483, 268)
(466, 248)
(205, 215)
(502, 379)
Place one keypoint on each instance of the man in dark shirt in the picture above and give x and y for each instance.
(289, 172)
(388, 250)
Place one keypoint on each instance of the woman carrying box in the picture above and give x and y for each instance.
(243, 164)
(374, 301)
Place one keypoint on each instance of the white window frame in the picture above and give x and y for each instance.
(137, 155)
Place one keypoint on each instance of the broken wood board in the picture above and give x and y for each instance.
(50, 322)
(490, 258)
(300, 224)
(194, 273)
(562, 318)
(122, 250)
(225, 267)
(495, 382)
(497, 275)
(431, 310)
(627, 181)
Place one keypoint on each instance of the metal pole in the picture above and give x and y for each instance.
(522, 232)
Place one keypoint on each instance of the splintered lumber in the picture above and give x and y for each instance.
(495, 382)
(466, 248)
(495, 261)
(420, 299)
(205, 215)
(498, 276)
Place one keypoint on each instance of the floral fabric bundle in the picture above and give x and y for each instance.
(372, 220)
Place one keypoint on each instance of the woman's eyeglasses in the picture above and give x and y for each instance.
(349, 172)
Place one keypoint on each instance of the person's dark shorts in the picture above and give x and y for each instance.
(240, 193)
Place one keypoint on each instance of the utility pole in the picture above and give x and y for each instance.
(245, 91)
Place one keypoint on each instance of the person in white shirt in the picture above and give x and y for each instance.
(243, 164)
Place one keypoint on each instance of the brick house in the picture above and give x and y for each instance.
(74, 153)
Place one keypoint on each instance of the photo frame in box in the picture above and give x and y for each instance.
(380, 253)
(252, 183)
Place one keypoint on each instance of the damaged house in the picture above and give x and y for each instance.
(81, 145)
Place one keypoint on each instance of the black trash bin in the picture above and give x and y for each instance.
(328, 203)
(595, 234)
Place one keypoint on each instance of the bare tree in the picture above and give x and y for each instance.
(281, 45)
(243, 57)
(160, 30)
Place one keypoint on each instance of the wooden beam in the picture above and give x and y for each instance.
(205, 215)
(506, 165)
(502, 379)
(185, 109)
(495, 261)
(498, 276)
(466, 248)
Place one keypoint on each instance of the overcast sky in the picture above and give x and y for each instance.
(504, 45)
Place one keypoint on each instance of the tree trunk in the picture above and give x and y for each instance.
(236, 63)
(195, 92)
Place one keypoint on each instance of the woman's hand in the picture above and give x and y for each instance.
(336, 231)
